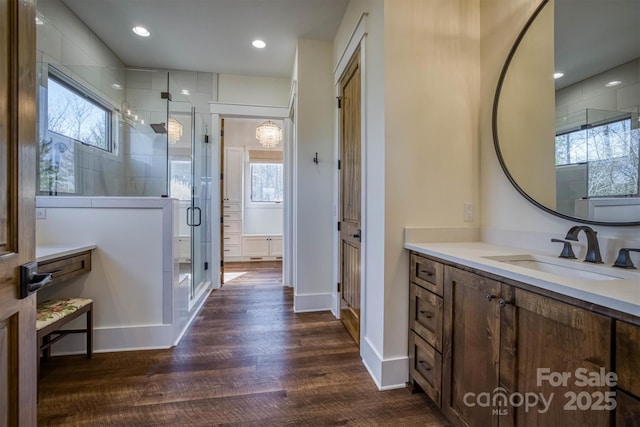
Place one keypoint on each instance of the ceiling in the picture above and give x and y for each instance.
(592, 36)
(211, 35)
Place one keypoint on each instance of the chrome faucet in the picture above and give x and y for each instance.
(593, 249)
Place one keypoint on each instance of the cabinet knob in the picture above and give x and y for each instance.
(489, 297)
(502, 302)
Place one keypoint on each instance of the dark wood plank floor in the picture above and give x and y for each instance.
(247, 360)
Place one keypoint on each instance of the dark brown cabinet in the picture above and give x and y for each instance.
(425, 326)
(628, 371)
(471, 345)
(501, 355)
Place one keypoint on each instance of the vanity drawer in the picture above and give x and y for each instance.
(232, 239)
(231, 207)
(425, 367)
(231, 227)
(232, 250)
(66, 268)
(426, 314)
(231, 216)
(628, 357)
(427, 273)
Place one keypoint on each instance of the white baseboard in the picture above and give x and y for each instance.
(388, 374)
(312, 302)
(106, 340)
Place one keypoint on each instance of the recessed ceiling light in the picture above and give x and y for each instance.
(141, 31)
(116, 86)
(39, 21)
(557, 75)
(185, 92)
(258, 44)
(613, 83)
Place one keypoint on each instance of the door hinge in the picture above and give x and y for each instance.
(338, 286)
(338, 225)
(165, 95)
(339, 98)
(221, 177)
(221, 220)
(221, 263)
(221, 132)
(339, 164)
(206, 139)
(206, 265)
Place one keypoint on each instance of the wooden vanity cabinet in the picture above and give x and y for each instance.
(471, 345)
(628, 371)
(425, 326)
(501, 339)
(538, 333)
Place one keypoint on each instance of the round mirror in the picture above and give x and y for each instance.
(565, 114)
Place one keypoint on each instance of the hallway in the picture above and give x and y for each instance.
(248, 359)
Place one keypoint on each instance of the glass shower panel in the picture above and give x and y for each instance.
(201, 241)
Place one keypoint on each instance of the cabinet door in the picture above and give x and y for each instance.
(543, 341)
(471, 345)
(255, 246)
(275, 246)
(628, 370)
(233, 167)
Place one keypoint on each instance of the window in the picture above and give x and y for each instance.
(610, 152)
(265, 181)
(180, 184)
(77, 114)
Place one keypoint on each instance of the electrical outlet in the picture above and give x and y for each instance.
(468, 212)
(41, 213)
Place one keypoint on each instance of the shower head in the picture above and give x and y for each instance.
(158, 127)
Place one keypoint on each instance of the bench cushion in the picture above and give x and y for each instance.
(51, 311)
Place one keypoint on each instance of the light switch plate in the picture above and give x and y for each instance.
(41, 213)
(468, 212)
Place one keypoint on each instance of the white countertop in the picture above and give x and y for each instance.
(45, 253)
(619, 294)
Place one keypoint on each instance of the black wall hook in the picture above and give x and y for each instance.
(315, 159)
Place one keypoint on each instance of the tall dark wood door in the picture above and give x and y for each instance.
(17, 211)
(350, 196)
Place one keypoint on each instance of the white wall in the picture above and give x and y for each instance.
(138, 301)
(313, 188)
(252, 90)
(505, 213)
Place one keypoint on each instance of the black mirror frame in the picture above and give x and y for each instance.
(496, 142)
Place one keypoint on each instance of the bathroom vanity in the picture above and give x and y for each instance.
(502, 337)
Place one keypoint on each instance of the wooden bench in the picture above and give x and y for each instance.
(54, 314)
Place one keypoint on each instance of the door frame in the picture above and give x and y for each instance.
(222, 110)
(357, 41)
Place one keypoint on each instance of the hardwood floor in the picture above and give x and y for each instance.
(247, 360)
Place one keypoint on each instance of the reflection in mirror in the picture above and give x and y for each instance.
(566, 123)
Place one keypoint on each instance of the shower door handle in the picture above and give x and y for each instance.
(190, 215)
(197, 209)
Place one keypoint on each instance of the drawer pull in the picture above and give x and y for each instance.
(424, 365)
(426, 273)
(426, 314)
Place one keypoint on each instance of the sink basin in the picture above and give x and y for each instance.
(562, 267)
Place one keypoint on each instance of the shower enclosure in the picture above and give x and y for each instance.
(122, 132)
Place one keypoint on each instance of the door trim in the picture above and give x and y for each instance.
(358, 41)
(221, 110)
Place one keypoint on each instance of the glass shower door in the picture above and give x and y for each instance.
(201, 207)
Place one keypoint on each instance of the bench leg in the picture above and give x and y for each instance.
(90, 332)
